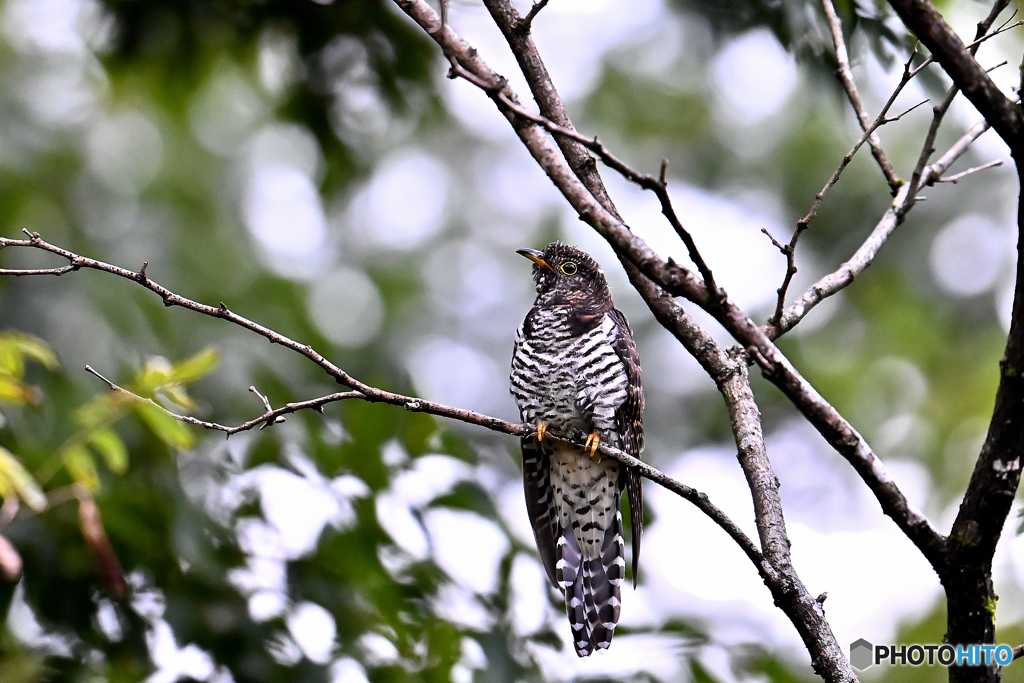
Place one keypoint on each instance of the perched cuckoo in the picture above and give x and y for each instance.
(575, 367)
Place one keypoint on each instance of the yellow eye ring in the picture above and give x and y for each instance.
(569, 268)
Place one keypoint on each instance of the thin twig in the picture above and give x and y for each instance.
(974, 169)
(266, 401)
(374, 395)
(935, 170)
(697, 498)
(369, 393)
(789, 250)
(526, 23)
(644, 180)
(268, 418)
(929, 174)
(920, 175)
(845, 76)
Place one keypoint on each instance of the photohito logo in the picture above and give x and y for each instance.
(863, 654)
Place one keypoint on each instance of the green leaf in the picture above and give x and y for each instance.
(82, 466)
(21, 481)
(32, 348)
(11, 361)
(196, 367)
(153, 375)
(169, 430)
(108, 444)
(15, 347)
(103, 410)
(176, 394)
(17, 392)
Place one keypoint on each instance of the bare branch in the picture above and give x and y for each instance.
(838, 280)
(935, 171)
(645, 180)
(374, 395)
(923, 174)
(678, 281)
(37, 271)
(369, 393)
(845, 75)
(266, 401)
(789, 250)
(958, 61)
(729, 372)
(526, 23)
(268, 418)
(974, 169)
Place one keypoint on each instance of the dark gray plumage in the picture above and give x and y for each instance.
(575, 366)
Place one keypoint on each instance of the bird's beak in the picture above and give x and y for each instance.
(535, 256)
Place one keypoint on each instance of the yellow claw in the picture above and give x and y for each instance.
(590, 448)
(542, 428)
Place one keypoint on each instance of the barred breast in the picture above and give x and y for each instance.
(574, 382)
(568, 380)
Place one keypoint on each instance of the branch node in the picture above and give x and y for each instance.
(664, 170)
(142, 272)
(766, 365)
(91, 371)
(266, 401)
(781, 247)
(524, 25)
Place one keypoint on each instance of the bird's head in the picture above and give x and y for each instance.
(566, 276)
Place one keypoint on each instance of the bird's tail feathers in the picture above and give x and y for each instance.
(592, 588)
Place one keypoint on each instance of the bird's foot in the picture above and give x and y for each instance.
(542, 429)
(590, 448)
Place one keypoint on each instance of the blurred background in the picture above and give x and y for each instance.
(308, 164)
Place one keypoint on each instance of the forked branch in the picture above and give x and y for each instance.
(364, 392)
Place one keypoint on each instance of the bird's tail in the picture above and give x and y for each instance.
(592, 588)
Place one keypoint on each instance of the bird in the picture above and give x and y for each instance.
(575, 368)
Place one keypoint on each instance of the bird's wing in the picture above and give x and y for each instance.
(540, 503)
(629, 418)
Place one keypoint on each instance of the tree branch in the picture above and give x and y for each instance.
(789, 250)
(893, 217)
(990, 492)
(268, 418)
(730, 374)
(845, 76)
(374, 395)
(678, 281)
(922, 175)
(526, 23)
(921, 17)
(369, 393)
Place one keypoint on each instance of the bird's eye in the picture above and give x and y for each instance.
(569, 268)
